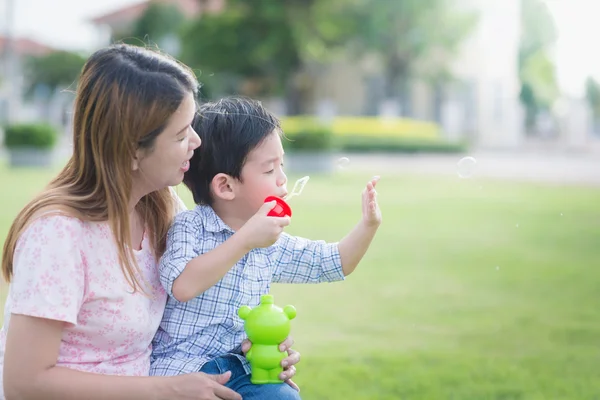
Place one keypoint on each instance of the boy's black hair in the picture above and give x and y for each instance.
(229, 129)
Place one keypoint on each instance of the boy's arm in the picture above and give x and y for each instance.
(300, 260)
(205, 270)
(354, 246)
(191, 263)
(181, 247)
(193, 271)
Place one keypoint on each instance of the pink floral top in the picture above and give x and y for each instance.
(66, 269)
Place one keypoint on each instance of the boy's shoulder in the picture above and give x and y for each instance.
(201, 217)
(188, 218)
(186, 215)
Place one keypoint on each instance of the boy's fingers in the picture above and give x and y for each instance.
(265, 208)
(283, 221)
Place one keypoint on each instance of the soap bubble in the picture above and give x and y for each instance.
(343, 162)
(517, 225)
(497, 268)
(298, 187)
(465, 167)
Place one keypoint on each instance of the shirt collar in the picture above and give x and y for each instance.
(212, 222)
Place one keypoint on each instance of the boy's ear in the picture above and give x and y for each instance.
(222, 186)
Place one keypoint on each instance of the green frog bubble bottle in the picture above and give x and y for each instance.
(266, 326)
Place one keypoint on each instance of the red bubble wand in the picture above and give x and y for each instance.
(282, 208)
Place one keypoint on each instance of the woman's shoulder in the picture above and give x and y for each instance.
(179, 204)
(54, 223)
(58, 217)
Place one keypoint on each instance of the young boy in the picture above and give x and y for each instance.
(226, 251)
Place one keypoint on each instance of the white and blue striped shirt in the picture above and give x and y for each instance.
(206, 327)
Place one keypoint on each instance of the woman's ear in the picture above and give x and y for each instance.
(135, 163)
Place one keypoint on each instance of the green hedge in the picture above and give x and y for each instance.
(371, 135)
(312, 138)
(30, 135)
(367, 144)
(345, 126)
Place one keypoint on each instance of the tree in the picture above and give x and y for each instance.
(537, 73)
(260, 46)
(45, 75)
(270, 42)
(406, 34)
(53, 70)
(159, 24)
(592, 94)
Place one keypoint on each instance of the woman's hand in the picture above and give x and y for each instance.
(31, 355)
(200, 386)
(289, 370)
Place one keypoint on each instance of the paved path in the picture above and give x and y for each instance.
(556, 168)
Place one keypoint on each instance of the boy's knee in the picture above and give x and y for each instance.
(286, 392)
(281, 391)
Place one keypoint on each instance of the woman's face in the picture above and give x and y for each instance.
(167, 161)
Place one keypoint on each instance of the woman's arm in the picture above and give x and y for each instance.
(30, 372)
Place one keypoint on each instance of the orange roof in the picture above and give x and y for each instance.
(134, 11)
(27, 47)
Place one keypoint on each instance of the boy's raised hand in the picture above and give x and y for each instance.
(261, 230)
(370, 207)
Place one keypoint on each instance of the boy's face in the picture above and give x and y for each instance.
(262, 175)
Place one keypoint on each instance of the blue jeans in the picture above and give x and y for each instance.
(240, 381)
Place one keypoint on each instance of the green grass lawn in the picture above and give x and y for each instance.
(472, 289)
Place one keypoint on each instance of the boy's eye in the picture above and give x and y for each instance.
(270, 172)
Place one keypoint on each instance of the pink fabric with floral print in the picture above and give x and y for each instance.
(68, 270)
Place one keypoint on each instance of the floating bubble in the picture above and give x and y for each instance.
(465, 167)
(343, 163)
(497, 268)
(561, 214)
(298, 187)
(517, 225)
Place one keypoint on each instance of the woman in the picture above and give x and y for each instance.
(85, 299)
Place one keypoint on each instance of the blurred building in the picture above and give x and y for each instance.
(482, 104)
(488, 103)
(13, 105)
(120, 21)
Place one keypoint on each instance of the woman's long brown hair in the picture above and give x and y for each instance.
(124, 99)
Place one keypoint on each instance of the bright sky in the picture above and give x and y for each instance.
(59, 23)
(577, 51)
